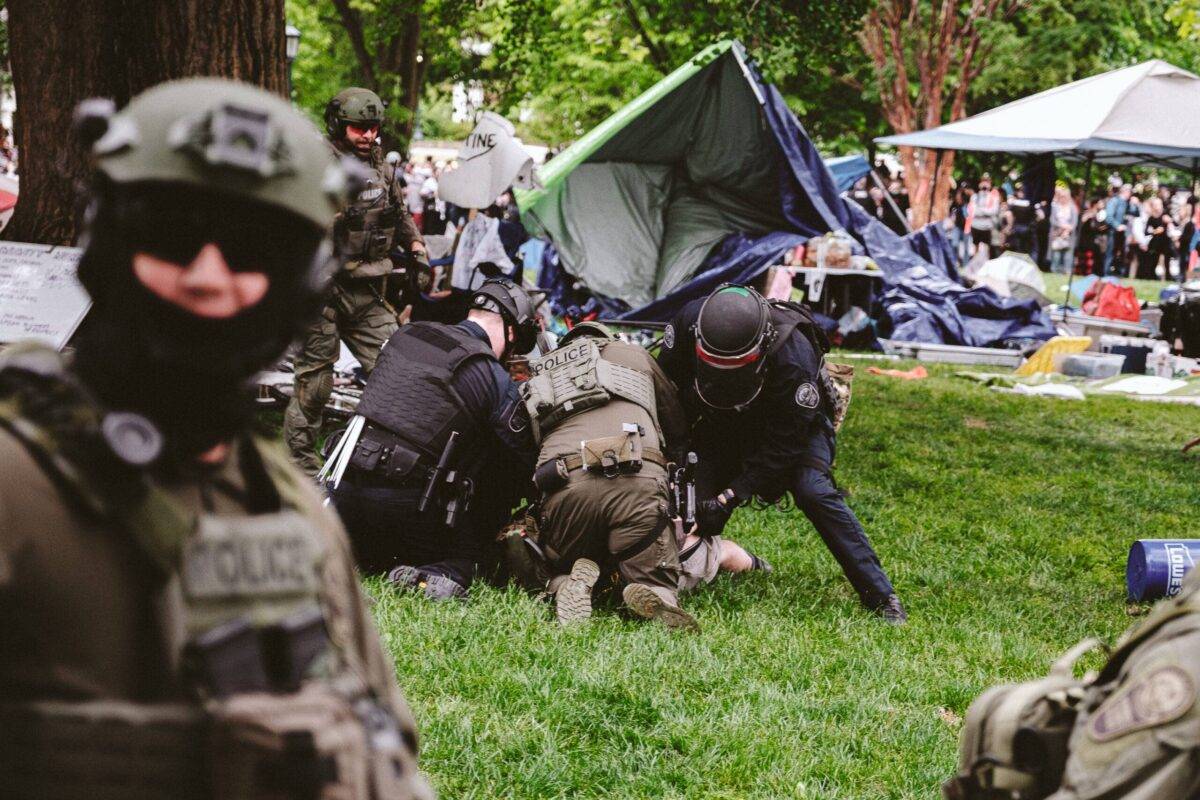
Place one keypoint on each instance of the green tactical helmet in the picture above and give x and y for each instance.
(352, 105)
(218, 134)
(591, 328)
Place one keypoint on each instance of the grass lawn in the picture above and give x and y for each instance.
(1004, 522)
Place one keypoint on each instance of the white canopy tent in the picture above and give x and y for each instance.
(1147, 113)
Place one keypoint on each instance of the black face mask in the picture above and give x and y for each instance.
(729, 389)
(191, 376)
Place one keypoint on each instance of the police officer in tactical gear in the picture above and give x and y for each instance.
(181, 616)
(753, 382)
(443, 450)
(1129, 732)
(605, 415)
(366, 232)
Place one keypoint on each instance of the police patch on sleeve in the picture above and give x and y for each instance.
(669, 336)
(1162, 696)
(807, 395)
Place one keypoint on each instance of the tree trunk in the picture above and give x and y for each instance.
(65, 51)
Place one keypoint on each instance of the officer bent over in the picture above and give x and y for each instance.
(753, 382)
(357, 310)
(445, 449)
(1129, 732)
(604, 415)
(181, 615)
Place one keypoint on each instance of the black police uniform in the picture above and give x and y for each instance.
(433, 379)
(782, 441)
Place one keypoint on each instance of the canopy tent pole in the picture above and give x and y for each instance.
(1087, 186)
(1195, 169)
(933, 190)
(891, 200)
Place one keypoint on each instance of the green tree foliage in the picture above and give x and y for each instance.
(1185, 15)
(561, 66)
(567, 64)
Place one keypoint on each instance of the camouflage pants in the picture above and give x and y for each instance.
(604, 518)
(354, 314)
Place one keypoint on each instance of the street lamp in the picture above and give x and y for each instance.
(291, 38)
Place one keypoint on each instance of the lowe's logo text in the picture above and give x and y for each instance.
(1179, 561)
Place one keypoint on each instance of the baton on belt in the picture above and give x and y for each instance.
(438, 474)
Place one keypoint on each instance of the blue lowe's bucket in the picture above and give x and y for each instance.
(1156, 567)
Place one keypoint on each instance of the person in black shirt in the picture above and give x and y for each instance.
(433, 382)
(1158, 228)
(878, 207)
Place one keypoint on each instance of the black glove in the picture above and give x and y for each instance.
(711, 516)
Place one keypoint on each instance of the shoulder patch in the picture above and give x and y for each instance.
(668, 341)
(807, 395)
(1162, 696)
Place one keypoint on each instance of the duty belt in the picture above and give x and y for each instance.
(575, 460)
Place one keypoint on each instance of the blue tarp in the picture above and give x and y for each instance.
(924, 300)
(846, 170)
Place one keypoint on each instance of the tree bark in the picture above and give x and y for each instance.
(65, 51)
(944, 45)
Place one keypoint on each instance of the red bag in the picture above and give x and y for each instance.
(1112, 301)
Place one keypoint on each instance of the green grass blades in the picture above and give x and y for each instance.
(1004, 522)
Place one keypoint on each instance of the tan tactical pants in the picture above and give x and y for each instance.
(355, 314)
(599, 518)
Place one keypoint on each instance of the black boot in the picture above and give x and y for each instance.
(890, 610)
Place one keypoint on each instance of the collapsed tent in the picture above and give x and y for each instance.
(709, 177)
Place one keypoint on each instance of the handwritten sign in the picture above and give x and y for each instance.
(40, 297)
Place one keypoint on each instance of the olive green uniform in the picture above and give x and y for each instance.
(604, 518)
(372, 224)
(1131, 732)
(1137, 734)
(95, 631)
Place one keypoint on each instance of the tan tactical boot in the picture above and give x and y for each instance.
(647, 603)
(573, 596)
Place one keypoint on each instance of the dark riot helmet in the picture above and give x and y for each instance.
(515, 305)
(733, 334)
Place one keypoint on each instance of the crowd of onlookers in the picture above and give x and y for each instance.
(1129, 231)
(433, 215)
(1132, 231)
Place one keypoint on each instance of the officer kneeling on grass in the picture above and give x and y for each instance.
(753, 382)
(604, 415)
(1130, 732)
(180, 614)
(441, 449)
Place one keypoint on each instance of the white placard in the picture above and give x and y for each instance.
(40, 297)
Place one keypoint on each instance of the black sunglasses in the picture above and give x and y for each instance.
(174, 225)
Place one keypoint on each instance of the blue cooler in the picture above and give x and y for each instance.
(1156, 567)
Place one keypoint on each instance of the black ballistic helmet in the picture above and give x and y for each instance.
(515, 305)
(733, 334)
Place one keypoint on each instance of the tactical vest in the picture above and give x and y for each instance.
(787, 317)
(273, 702)
(411, 391)
(575, 378)
(366, 228)
(1017, 739)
